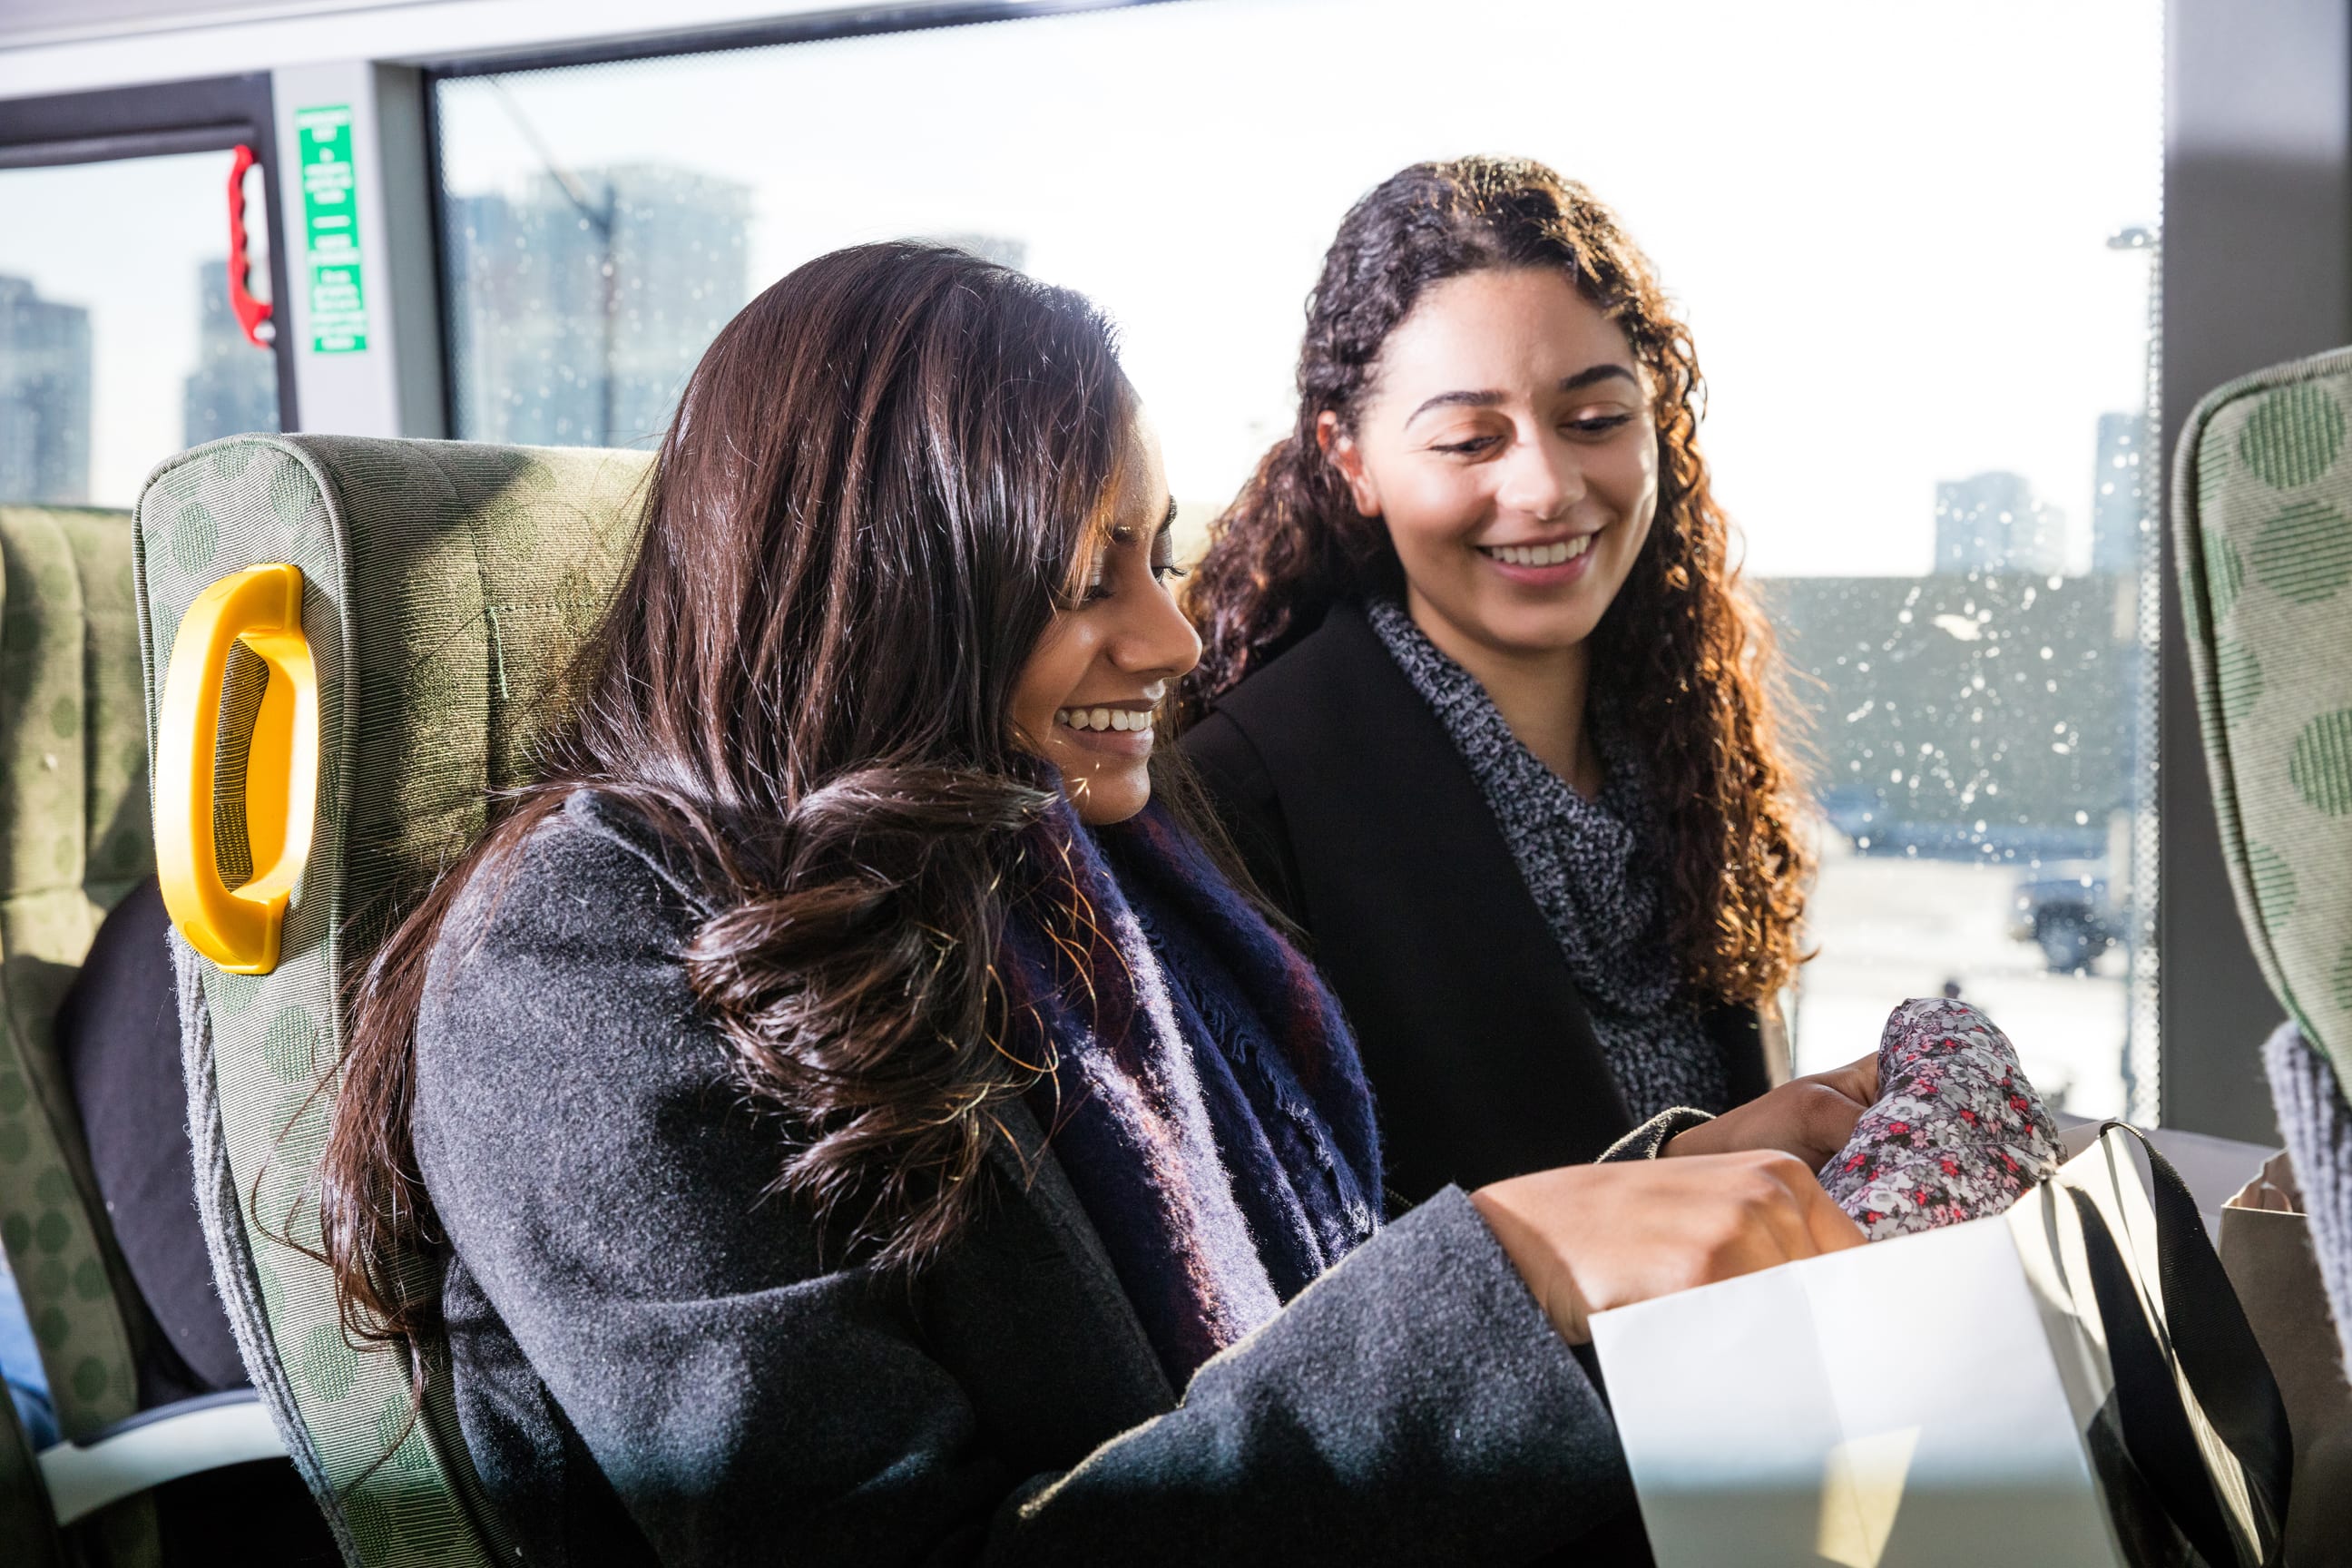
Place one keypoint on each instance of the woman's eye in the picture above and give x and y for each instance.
(1166, 571)
(1476, 444)
(1600, 423)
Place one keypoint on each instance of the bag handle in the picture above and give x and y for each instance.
(2214, 1348)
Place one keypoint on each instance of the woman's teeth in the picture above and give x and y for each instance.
(1120, 718)
(1540, 554)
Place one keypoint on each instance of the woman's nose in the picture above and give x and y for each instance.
(1158, 641)
(1541, 479)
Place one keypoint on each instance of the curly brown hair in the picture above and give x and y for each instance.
(1682, 640)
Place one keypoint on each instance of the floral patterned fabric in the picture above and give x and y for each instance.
(1958, 1133)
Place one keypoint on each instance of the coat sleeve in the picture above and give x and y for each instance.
(748, 1399)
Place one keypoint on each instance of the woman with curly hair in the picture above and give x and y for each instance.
(1485, 709)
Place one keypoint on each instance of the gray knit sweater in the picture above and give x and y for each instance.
(2317, 1123)
(1593, 869)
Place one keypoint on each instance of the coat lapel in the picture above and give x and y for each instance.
(1471, 1028)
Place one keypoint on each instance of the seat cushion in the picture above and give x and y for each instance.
(119, 1033)
(73, 769)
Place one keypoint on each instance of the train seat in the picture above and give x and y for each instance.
(2263, 508)
(73, 841)
(2262, 512)
(327, 738)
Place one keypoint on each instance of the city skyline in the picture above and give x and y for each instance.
(580, 307)
(1994, 522)
(45, 397)
(2118, 497)
(234, 388)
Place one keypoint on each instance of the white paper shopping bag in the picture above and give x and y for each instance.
(1953, 1397)
(1897, 1404)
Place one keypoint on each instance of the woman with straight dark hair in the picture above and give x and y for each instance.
(1486, 709)
(864, 1124)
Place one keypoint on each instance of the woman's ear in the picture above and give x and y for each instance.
(1339, 450)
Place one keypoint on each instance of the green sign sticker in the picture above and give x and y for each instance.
(331, 222)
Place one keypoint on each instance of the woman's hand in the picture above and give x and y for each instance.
(1810, 1118)
(1589, 1237)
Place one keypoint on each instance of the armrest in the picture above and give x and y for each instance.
(208, 1433)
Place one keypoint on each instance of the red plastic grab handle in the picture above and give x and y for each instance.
(251, 313)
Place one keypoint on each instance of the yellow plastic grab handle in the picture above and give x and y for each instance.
(238, 928)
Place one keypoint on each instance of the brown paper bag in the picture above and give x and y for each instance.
(2266, 1251)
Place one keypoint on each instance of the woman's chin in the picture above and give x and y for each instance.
(1531, 630)
(1104, 794)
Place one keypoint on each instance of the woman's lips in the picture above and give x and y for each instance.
(1556, 574)
(1098, 728)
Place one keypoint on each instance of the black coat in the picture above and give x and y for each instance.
(656, 1361)
(1347, 801)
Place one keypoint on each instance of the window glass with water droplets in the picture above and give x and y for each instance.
(1915, 245)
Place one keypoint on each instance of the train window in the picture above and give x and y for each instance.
(119, 341)
(1914, 245)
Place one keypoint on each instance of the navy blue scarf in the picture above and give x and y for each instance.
(1203, 1094)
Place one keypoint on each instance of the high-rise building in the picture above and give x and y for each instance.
(45, 397)
(585, 303)
(1991, 523)
(234, 390)
(2119, 495)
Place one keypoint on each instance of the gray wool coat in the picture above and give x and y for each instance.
(655, 1364)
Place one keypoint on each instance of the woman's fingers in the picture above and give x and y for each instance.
(1587, 1238)
(1865, 1073)
(1857, 1081)
(1776, 1224)
(1833, 1116)
(1810, 1118)
(1799, 1216)
(1829, 1226)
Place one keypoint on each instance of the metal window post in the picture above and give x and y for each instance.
(2257, 268)
(357, 192)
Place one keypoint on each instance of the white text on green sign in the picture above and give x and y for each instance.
(330, 224)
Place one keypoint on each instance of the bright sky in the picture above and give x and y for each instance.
(1886, 223)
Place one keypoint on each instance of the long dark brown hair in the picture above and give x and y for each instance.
(864, 516)
(1682, 645)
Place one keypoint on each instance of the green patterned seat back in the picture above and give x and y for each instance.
(2263, 513)
(73, 839)
(445, 588)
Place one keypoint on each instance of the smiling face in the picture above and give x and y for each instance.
(1509, 446)
(1087, 699)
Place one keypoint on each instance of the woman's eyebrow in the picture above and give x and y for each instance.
(1586, 377)
(1577, 383)
(1168, 519)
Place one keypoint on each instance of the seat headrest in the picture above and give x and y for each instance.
(2263, 513)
